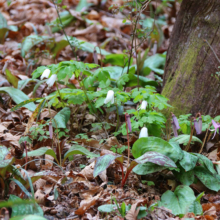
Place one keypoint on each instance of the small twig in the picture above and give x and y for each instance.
(212, 50)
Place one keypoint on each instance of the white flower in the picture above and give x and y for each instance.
(45, 74)
(51, 80)
(110, 97)
(143, 133)
(143, 105)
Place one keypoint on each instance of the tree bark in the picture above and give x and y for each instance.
(193, 58)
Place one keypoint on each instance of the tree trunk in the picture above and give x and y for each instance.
(193, 57)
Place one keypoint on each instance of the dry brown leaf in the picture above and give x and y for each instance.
(86, 204)
(39, 196)
(88, 171)
(211, 211)
(132, 213)
(91, 29)
(172, 184)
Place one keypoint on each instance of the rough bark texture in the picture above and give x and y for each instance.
(190, 74)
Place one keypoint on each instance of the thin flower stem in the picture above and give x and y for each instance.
(118, 119)
(122, 171)
(128, 140)
(64, 32)
(205, 138)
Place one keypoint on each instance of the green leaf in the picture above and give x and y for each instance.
(11, 78)
(195, 208)
(211, 181)
(24, 103)
(30, 41)
(103, 162)
(15, 202)
(3, 152)
(28, 217)
(159, 145)
(107, 208)
(61, 118)
(154, 63)
(186, 178)
(178, 201)
(203, 160)
(23, 83)
(184, 139)
(41, 151)
(117, 59)
(18, 96)
(82, 4)
(4, 163)
(3, 28)
(21, 187)
(25, 209)
(143, 81)
(189, 161)
(77, 149)
(144, 169)
(38, 72)
(156, 158)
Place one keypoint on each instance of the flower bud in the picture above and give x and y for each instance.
(127, 116)
(175, 121)
(110, 97)
(51, 130)
(51, 80)
(196, 126)
(200, 124)
(143, 105)
(174, 129)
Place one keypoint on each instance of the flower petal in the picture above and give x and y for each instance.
(175, 121)
(45, 74)
(143, 133)
(143, 105)
(174, 129)
(51, 80)
(50, 130)
(109, 97)
(196, 125)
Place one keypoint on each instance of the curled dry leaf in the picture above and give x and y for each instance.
(132, 213)
(40, 197)
(86, 204)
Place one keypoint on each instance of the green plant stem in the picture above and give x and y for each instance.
(128, 139)
(64, 32)
(190, 139)
(50, 119)
(60, 94)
